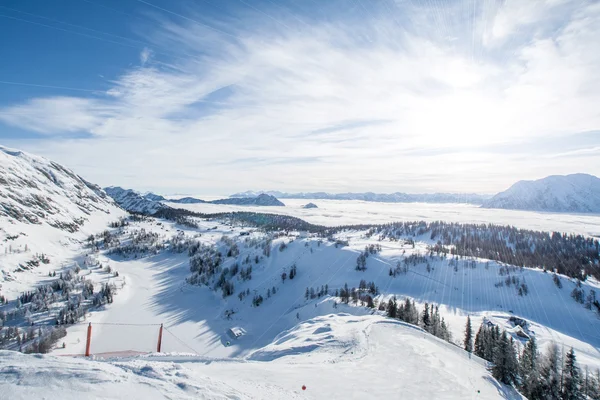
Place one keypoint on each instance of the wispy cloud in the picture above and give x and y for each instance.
(361, 89)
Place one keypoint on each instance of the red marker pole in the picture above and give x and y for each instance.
(89, 340)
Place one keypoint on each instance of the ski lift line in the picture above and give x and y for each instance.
(186, 56)
(112, 9)
(49, 87)
(300, 298)
(188, 19)
(181, 341)
(68, 31)
(265, 14)
(565, 305)
(73, 25)
(563, 301)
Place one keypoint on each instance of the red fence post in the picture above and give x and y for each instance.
(89, 340)
(158, 346)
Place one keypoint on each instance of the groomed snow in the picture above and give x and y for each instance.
(333, 356)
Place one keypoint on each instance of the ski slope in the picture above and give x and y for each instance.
(196, 321)
(347, 357)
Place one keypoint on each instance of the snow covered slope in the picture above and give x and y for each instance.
(355, 357)
(133, 201)
(35, 190)
(578, 193)
(45, 211)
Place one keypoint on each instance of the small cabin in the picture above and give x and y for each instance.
(236, 332)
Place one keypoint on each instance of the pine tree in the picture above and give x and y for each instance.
(529, 371)
(550, 373)
(468, 336)
(426, 319)
(572, 378)
(392, 310)
(479, 342)
(505, 368)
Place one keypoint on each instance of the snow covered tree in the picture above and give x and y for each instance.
(468, 336)
(571, 378)
(505, 368)
(426, 318)
(392, 309)
(529, 371)
(550, 372)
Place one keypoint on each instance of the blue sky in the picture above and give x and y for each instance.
(214, 97)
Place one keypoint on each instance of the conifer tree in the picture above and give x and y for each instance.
(572, 378)
(426, 318)
(505, 368)
(550, 372)
(468, 336)
(529, 371)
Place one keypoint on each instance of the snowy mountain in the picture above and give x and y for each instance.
(133, 201)
(310, 205)
(46, 211)
(150, 203)
(35, 190)
(576, 193)
(397, 197)
(262, 199)
(186, 200)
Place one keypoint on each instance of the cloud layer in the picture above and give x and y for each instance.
(382, 97)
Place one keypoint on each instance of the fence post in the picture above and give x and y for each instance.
(89, 340)
(158, 346)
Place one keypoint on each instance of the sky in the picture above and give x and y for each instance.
(221, 96)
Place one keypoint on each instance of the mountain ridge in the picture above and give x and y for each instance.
(574, 193)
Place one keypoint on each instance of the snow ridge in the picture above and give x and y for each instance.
(575, 193)
(34, 190)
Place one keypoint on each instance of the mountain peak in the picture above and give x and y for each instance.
(579, 193)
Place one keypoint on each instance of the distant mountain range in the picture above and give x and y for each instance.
(150, 203)
(397, 197)
(576, 193)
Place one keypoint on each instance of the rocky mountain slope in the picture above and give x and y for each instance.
(35, 190)
(150, 203)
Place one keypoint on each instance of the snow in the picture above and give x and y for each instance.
(364, 357)
(195, 317)
(44, 209)
(559, 193)
(336, 350)
(348, 212)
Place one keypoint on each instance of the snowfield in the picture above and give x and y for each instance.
(352, 357)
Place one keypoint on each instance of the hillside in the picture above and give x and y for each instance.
(46, 210)
(334, 356)
(576, 193)
(397, 197)
(260, 200)
(133, 201)
(150, 203)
